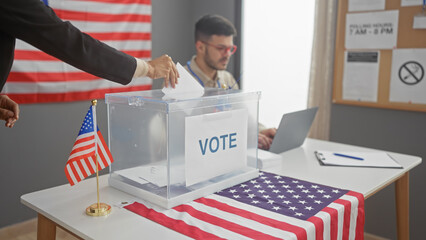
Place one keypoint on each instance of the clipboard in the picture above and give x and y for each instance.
(357, 159)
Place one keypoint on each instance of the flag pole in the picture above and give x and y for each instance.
(97, 179)
(97, 209)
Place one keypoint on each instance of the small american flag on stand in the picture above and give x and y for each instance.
(82, 160)
(267, 207)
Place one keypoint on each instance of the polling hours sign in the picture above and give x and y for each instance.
(374, 30)
(215, 144)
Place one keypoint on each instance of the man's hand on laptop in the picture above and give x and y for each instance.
(265, 138)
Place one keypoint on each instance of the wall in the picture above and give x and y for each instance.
(391, 130)
(33, 154)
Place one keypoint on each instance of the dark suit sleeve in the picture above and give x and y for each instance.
(37, 24)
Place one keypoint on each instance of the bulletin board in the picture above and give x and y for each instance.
(407, 37)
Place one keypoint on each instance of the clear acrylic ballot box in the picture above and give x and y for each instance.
(170, 151)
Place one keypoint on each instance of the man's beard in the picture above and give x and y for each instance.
(211, 64)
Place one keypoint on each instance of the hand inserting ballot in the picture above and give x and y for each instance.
(163, 67)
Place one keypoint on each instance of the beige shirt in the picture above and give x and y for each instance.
(223, 76)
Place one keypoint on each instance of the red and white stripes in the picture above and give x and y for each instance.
(82, 162)
(217, 217)
(125, 25)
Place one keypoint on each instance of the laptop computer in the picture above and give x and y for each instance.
(293, 129)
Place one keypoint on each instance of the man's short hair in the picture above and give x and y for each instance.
(210, 25)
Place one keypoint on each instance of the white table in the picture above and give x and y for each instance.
(64, 206)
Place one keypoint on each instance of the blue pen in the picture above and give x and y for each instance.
(347, 156)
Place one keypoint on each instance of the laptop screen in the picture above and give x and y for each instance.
(293, 129)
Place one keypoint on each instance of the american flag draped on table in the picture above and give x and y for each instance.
(125, 25)
(268, 207)
(82, 160)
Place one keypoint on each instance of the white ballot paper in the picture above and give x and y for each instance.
(360, 76)
(374, 30)
(133, 174)
(187, 86)
(215, 144)
(408, 82)
(155, 173)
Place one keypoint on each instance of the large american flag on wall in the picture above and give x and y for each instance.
(122, 24)
(268, 207)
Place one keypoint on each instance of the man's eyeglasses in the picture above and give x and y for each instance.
(223, 49)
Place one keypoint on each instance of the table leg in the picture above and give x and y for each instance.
(46, 228)
(402, 207)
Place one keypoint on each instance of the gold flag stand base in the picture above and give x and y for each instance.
(103, 210)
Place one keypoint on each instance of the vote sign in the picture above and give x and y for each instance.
(215, 144)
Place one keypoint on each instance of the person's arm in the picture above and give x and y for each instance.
(37, 24)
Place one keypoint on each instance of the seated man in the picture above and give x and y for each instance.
(214, 45)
